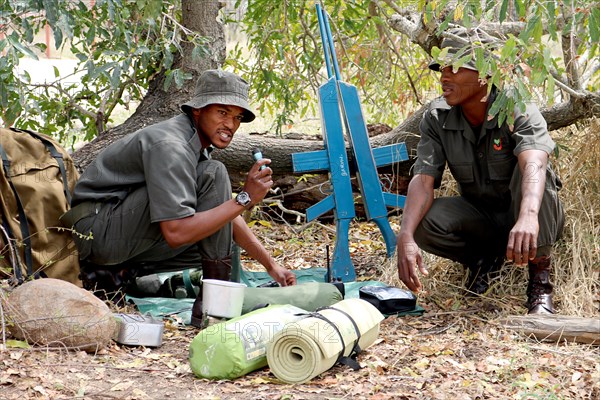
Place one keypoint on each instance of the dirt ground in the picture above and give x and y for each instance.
(456, 350)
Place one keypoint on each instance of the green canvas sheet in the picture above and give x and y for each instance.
(181, 308)
(307, 295)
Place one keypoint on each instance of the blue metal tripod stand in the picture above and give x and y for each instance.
(341, 110)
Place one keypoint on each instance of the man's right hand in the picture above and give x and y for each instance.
(409, 258)
(258, 182)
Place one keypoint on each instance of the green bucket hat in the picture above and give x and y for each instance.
(221, 87)
(460, 42)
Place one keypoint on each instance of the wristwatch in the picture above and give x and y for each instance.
(243, 199)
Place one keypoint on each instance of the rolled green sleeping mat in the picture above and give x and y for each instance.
(308, 296)
(314, 344)
(233, 348)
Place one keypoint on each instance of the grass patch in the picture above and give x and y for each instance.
(576, 257)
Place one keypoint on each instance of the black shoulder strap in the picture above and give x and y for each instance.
(22, 220)
(57, 156)
(350, 359)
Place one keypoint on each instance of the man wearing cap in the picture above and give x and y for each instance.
(155, 200)
(508, 205)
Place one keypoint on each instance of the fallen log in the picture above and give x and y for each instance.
(556, 328)
(297, 192)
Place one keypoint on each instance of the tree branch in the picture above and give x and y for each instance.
(568, 44)
(15, 260)
(388, 38)
(2, 321)
(72, 103)
(567, 113)
(588, 74)
(299, 216)
(410, 24)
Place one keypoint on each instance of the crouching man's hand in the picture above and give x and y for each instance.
(283, 276)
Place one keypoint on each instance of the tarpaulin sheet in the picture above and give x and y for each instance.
(181, 308)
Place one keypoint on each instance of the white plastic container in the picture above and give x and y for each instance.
(222, 299)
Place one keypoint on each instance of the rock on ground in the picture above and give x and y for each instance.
(56, 313)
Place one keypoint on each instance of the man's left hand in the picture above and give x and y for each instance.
(522, 240)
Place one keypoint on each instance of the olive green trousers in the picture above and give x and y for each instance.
(460, 230)
(123, 233)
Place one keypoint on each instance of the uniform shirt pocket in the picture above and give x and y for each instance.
(462, 173)
(501, 169)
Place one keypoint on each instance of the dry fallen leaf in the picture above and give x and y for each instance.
(122, 386)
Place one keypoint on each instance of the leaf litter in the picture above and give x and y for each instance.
(455, 350)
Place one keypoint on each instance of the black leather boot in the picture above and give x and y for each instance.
(480, 274)
(539, 289)
(211, 269)
(107, 282)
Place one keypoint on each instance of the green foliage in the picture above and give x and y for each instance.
(286, 62)
(119, 44)
(17, 344)
(526, 67)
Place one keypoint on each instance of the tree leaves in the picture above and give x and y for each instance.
(287, 64)
(122, 44)
(17, 344)
(278, 33)
(13, 40)
(594, 24)
(503, 10)
(119, 44)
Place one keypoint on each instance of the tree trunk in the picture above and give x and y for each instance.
(160, 104)
(238, 155)
(299, 191)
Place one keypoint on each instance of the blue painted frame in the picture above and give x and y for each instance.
(341, 110)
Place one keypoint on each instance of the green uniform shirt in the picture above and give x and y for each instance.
(163, 157)
(481, 164)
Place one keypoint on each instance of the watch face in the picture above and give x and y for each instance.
(243, 199)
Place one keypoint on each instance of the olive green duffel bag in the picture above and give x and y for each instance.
(308, 296)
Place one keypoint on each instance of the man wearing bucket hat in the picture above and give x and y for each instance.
(155, 200)
(508, 205)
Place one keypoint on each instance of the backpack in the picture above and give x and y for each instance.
(36, 182)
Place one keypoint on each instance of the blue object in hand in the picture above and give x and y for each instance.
(257, 155)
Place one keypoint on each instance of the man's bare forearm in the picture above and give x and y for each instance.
(243, 235)
(532, 164)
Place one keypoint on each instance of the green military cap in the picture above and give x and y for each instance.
(221, 87)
